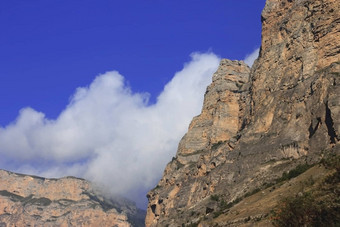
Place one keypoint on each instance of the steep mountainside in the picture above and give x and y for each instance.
(34, 201)
(258, 123)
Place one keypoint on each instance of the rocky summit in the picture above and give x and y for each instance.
(35, 201)
(260, 126)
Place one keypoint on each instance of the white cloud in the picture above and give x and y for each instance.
(250, 58)
(109, 134)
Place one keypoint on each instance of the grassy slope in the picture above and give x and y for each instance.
(320, 181)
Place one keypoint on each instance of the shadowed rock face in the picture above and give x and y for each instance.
(254, 123)
(34, 201)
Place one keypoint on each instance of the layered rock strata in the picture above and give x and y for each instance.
(222, 113)
(34, 201)
(252, 130)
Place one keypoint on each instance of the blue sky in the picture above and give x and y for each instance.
(50, 47)
(92, 88)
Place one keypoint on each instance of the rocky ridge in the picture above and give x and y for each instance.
(257, 123)
(35, 201)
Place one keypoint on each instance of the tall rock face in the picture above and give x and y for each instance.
(257, 123)
(294, 89)
(34, 201)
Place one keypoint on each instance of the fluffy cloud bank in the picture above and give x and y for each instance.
(109, 134)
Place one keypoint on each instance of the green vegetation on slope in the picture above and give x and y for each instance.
(319, 206)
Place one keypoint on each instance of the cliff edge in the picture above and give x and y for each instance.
(258, 123)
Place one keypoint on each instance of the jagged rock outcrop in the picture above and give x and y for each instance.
(252, 130)
(222, 112)
(34, 201)
(194, 174)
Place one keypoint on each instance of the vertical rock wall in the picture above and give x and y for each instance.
(250, 131)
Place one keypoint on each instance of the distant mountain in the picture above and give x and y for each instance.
(262, 127)
(35, 201)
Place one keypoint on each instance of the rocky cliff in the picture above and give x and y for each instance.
(34, 201)
(258, 123)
